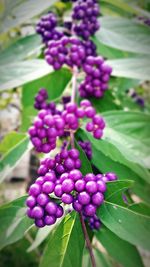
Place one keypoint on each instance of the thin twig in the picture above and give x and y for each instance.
(88, 243)
(73, 96)
(72, 139)
(74, 84)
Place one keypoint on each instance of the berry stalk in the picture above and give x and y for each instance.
(73, 96)
(87, 240)
(74, 84)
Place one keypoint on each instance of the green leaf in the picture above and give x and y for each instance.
(124, 142)
(86, 166)
(13, 222)
(42, 234)
(122, 5)
(19, 73)
(116, 187)
(21, 49)
(135, 68)
(104, 162)
(119, 25)
(121, 85)
(16, 145)
(124, 34)
(129, 132)
(140, 207)
(55, 83)
(110, 52)
(106, 103)
(128, 255)
(9, 141)
(65, 246)
(21, 12)
(132, 226)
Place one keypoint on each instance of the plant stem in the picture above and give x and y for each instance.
(88, 243)
(87, 240)
(74, 84)
(73, 96)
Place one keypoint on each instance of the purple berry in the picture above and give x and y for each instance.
(90, 126)
(98, 133)
(59, 212)
(37, 212)
(84, 198)
(90, 112)
(67, 186)
(42, 199)
(48, 187)
(101, 186)
(50, 176)
(75, 175)
(77, 206)
(58, 190)
(97, 199)
(31, 201)
(49, 220)
(67, 198)
(74, 153)
(39, 223)
(35, 189)
(97, 224)
(91, 187)
(80, 185)
(111, 176)
(69, 164)
(90, 177)
(89, 210)
(71, 107)
(51, 208)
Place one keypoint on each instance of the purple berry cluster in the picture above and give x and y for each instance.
(73, 114)
(96, 79)
(67, 50)
(73, 52)
(90, 195)
(87, 148)
(46, 27)
(64, 161)
(41, 102)
(48, 127)
(41, 207)
(84, 16)
(96, 126)
(45, 130)
(62, 177)
(94, 222)
(64, 49)
(40, 99)
(90, 48)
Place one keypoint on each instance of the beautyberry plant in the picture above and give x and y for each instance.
(61, 181)
(75, 91)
